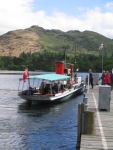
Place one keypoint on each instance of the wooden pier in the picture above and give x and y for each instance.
(102, 139)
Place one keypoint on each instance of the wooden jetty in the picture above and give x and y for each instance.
(102, 139)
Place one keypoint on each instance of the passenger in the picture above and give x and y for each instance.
(69, 71)
(46, 90)
(43, 84)
(57, 87)
(30, 91)
(53, 91)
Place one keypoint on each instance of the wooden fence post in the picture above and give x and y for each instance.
(89, 124)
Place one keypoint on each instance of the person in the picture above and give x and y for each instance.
(69, 71)
(53, 91)
(29, 90)
(91, 78)
(111, 80)
(76, 74)
(107, 78)
(43, 84)
(103, 77)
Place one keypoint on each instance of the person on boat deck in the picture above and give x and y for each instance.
(76, 74)
(69, 71)
(68, 85)
(57, 87)
(53, 91)
(30, 91)
(43, 84)
(46, 90)
(91, 78)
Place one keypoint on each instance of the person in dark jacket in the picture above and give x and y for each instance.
(111, 80)
(91, 78)
(103, 77)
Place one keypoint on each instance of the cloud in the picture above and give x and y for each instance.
(18, 14)
(109, 6)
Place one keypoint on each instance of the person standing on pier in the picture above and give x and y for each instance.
(91, 78)
(103, 77)
(107, 78)
(111, 80)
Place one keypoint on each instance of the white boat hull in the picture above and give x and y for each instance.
(77, 89)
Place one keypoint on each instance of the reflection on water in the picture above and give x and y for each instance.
(37, 127)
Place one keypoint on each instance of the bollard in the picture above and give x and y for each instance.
(82, 108)
(85, 101)
(86, 90)
(82, 117)
(80, 112)
(84, 94)
(79, 122)
(89, 123)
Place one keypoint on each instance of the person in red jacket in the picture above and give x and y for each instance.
(107, 78)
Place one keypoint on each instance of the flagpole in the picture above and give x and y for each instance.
(102, 60)
(101, 47)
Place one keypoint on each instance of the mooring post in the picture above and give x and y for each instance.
(85, 101)
(89, 124)
(79, 123)
(82, 116)
(80, 112)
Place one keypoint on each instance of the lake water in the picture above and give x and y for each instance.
(39, 127)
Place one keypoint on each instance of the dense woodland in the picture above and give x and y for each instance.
(45, 61)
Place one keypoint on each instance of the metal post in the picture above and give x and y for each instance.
(65, 57)
(85, 101)
(79, 122)
(88, 83)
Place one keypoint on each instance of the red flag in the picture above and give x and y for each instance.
(25, 75)
(101, 46)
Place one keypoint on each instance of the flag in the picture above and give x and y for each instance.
(101, 46)
(25, 75)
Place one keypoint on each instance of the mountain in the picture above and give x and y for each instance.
(36, 39)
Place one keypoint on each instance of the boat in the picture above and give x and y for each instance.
(56, 87)
(38, 70)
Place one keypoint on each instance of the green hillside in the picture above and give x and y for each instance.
(83, 42)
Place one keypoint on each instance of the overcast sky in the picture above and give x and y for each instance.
(64, 15)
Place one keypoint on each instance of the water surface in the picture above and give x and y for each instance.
(38, 127)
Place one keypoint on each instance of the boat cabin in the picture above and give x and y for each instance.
(67, 69)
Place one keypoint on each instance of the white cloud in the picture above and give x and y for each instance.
(109, 6)
(18, 14)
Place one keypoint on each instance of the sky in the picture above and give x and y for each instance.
(64, 15)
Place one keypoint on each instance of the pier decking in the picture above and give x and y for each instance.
(103, 137)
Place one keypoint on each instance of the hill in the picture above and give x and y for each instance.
(36, 39)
